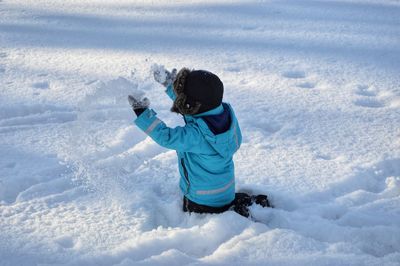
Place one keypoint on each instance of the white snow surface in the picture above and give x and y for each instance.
(316, 89)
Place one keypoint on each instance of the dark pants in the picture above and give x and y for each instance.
(240, 204)
(190, 206)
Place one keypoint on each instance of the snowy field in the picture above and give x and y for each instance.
(316, 89)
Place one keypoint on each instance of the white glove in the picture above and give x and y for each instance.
(138, 106)
(163, 76)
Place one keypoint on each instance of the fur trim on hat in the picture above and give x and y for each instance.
(181, 105)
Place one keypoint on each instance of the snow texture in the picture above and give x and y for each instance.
(315, 86)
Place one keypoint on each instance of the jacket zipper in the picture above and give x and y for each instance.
(185, 173)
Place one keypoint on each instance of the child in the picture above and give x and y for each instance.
(205, 145)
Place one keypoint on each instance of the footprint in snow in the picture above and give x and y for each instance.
(2, 70)
(91, 82)
(294, 74)
(272, 128)
(364, 90)
(368, 99)
(369, 103)
(232, 68)
(3, 55)
(306, 85)
(329, 157)
(324, 157)
(65, 242)
(41, 85)
(268, 127)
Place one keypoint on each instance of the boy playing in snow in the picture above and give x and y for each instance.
(205, 145)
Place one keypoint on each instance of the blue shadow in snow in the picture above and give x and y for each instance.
(233, 27)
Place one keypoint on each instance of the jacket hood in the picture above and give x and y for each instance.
(224, 138)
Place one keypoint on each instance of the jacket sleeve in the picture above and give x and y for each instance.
(183, 139)
(170, 92)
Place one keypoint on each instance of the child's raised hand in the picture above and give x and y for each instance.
(138, 106)
(163, 76)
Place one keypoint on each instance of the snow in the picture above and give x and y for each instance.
(314, 84)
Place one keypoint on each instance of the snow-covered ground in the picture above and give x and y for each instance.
(316, 88)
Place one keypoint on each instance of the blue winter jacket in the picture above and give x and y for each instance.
(205, 146)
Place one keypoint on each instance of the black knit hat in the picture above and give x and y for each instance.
(197, 91)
